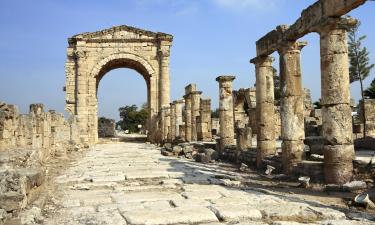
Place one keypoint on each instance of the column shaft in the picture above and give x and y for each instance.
(336, 111)
(195, 102)
(292, 111)
(187, 117)
(172, 128)
(265, 110)
(204, 123)
(226, 112)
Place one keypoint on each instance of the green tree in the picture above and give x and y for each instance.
(370, 91)
(359, 60)
(215, 113)
(131, 117)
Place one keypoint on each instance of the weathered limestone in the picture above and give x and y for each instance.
(369, 116)
(336, 111)
(46, 132)
(309, 21)
(165, 122)
(195, 104)
(179, 104)
(91, 55)
(172, 129)
(250, 96)
(292, 108)
(240, 106)
(188, 111)
(226, 111)
(204, 121)
(265, 108)
(244, 136)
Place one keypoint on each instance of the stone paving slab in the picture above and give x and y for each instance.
(173, 216)
(148, 196)
(236, 212)
(127, 183)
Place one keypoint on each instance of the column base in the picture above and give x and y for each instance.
(292, 152)
(265, 148)
(338, 163)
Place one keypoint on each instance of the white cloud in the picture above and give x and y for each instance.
(246, 4)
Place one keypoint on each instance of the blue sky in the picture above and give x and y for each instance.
(211, 38)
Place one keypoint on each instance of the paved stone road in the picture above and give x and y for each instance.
(132, 183)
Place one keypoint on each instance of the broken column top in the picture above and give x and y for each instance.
(262, 59)
(37, 108)
(190, 88)
(224, 78)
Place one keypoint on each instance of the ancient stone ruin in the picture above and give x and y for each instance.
(91, 55)
(253, 137)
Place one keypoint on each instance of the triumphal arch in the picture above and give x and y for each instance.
(91, 55)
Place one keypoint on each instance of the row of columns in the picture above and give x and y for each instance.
(335, 95)
(197, 116)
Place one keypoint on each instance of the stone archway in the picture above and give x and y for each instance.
(92, 55)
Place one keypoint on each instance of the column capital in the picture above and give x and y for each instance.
(179, 101)
(190, 87)
(163, 53)
(333, 23)
(291, 47)
(79, 54)
(263, 60)
(225, 78)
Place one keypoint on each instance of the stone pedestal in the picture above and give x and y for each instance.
(292, 109)
(336, 111)
(195, 103)
(226, 111)
(265, 109)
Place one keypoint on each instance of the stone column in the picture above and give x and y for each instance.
(265, 110)
(187, 117)
(204, 123)
(195, 102)
(172, 128)
(178, 115)
(243, 138)
(188, 113)
(336, 111)
(226, 112)
(164, 89)
(165, 122)
(81, 104)
(292, 109)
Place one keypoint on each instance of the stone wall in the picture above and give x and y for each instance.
(49, 132)
(106, 127)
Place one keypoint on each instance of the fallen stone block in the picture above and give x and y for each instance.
(177, 150)
(354, 186)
